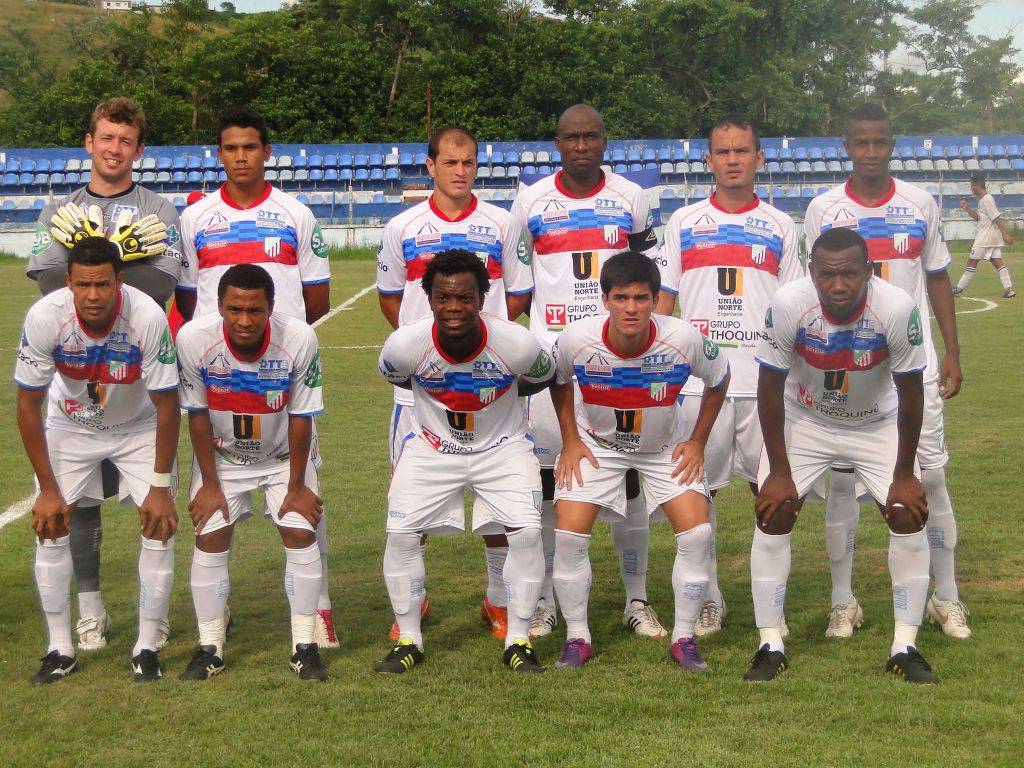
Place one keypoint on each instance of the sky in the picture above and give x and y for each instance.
(995, 18)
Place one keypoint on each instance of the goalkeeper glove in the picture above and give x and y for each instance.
(145, 237)
(73, 223)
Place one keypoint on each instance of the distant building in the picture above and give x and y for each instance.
(114, 5)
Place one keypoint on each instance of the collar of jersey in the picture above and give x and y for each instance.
(106, 331)
(247, 358)
(745, 209)
(464, 215)
(128, 191)
(597, 188)
(888, 195)
(224, 196)
(623, 355)
(471, 356)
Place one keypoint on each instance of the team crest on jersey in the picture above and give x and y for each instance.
(844, 219)
(659, 391)
(705, 225)
(758, 253)
(597, 365)
(118, 370)
(275, 399)
(702, 324)
(862, 357)
(901, 242)
(271, 220)
(483, 256)
(488, 395)
(611, 234)
(272, 247)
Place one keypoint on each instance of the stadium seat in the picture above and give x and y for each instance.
(800, 153)
(178, 202)
(71, 179)
(834, 166)
(905, 153)
(483, 172)
(667, 193)
(988, 164)
(210, 163)
(788, 167)
(941, 164)
(148, 164)
(512, 171)
(771, 154)
(921, 153)
(1013, 150)
(818, 166)
(815, 153)
(664, 154)
(39, 203)
(375, 160)
(148, 177)
(316, 174)
(300, 161)
(831, 153)
(285, 174)
(302, 198)
(378, 198)
(333, 174)
(194, 163)
(344, 174)
(57, 180)
(270, 174)
(377, 174)
(498, 172)
(529, 170)
(697, 167)
(345, 160)
(360, 160)
(315, 160)
(8, 205)
(361, 174)
(1017, 164)
(482, 158)
(544, 170)
(700, 193)
(74, 164)
(163, 177)
(633, 156)
(682, 167)
(85, 176)
(42, 166)
(527, 157)
(497, 158)
(773, 167)
(648, 155)
(179, 163)
(178, 177)
(406, 159)
(163, 163)
(793, 192)
(667, 169)
(391, 160)
(194, 177)
(316, 199)
(635, 168)
(762, 192)
(511, 157)
(301, 174)
(618, 156)
(421, 158)
(803, 166)
(271, 162)
(927, 165)
(392, 174)
(956, 164)
(331, 161)
(543, 157)
(972, 164)
(983, 151)
(41, 180)
(896, 165)
(911, 166)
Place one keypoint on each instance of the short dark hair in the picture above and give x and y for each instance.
(94, 251)
(630, 267)
(868, 111)
(455, 131)
(979, 179)
(839, 239)
(122, 111)
(452, 262)
(248, 277)
(736, 121)
(243, 117)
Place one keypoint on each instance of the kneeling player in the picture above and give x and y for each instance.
(102, 351)
(833, 345)
(251, 383)
(630, 367)
(466, 371)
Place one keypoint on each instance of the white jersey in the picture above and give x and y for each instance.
(470, 405)
(902, 233)
(841, 373)
(277, 232)
(414, 237)
(629, 403)
(98, 384)
(250, 399)
(571, 237)
(988, 235)
(725, 268)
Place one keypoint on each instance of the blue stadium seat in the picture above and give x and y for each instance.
(361, 174)
(315, 160)
(331, 161)
(359, 160)
(648, 155)
(178, 202)
(620, 168)
(938, 150)
(194, 177)
(42, 166)
(667, 193)
(664, 154)
(179, 177)
(392, 174)
(163, 164)
(530, 170)
(618, 156)
(635, 168)
(179, 163)
(988, 164)
(421, 158)
(1013, 150)
(921, 153)
(210, 163)
(1017, 164)
(377, 174)
(57, 180)
(773, 167)
(544, 170)
(41, 179)
(831, 153)
(38, 204)
(700, 193)
(194, 163)
(793, 192)
(300, 161)
(376, 160)
(788, 166)
(905, 153)
(85, 176)
(481, 157)
(344, 174)
(8, 205)
(815, 153)
(378, 198)
(800, 153)
(71, 179)
(302, 198)
(221, 176)
(696, 153)
(317, 174)
(316, 199)
(405, 159)
(511, 157)
(983, 151)
(333, 174)
(633, 156)
(345, 160)
(13, 166)
(497, 158)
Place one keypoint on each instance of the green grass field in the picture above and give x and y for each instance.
(834, 707)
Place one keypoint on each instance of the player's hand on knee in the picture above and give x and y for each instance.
(689, 458)
(303, 502)
(208, 502)
(568, 466)
(777, 502)
(906, 508)
(51, 516)
(157, 516)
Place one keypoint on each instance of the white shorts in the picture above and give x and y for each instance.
(238, 492)
(813, 448)
(931, 448)
(606, 487)
(986, 252)
(426, 489)
(734, 445)
(547, 437)
(76, 457)
(402, 429)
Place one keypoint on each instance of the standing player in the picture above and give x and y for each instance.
(100, 354)
(452, 217)
(114, 141)
(574, 220)
(834, 344)
(251, 382)
(724, 258)
(900, 223)
(988, 245)
(466, 370)
(630, 368)
(248, 221)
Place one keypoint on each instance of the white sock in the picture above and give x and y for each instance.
(1004, 276)
(942, 533)
(302, 576)
(631, 538)
(842, 514)
(547, 540)
(770, 561)
(714, 594)
(904, 637)
(908, 567)
(572, 575)
(965, 278)
(211, 586)
(405, 577)
(90, 604)
(156, 577)
(522, 575)
(690, 573)
(496, 593)
(323, 602)
(53, 569)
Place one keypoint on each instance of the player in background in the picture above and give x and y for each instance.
(452, 217)
(834, 344)
(900, 223)
(99, 354)
(573, 220)
(724, 258)
(630, 367)
(467, 370)
(988, 245)
(115, 140)
(251, 383)
(249, 221)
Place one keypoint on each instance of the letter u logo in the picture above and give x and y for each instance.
(730, 281)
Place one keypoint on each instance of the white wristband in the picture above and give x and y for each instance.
(161, 480)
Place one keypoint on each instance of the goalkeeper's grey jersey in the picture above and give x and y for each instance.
(47, 253)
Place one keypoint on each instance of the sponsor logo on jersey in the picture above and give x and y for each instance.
(522, 252)
(541, 366)
(899, 214)
(72, 345)
(901, 242)
(314, 378)
(705, 225)
(317, 242)
(597, 365)
(554, 211)
(42, 240)
(431, 438)
(756, 226)
(554, 316)
(604, 206)
(816, 329)
(273, 369)
(730, 281)
(97, 393)
(216, 224)
(479, 233)
(628, 422)
(388, 366)
(836, 381)
(758, 253)
(272, 247)
(461, 425)
(584, 264)
(428, 235)
(805, 397)
(538, 500)
(768, 318)
(659, 391)
(486, 369)
(702, 324)
(710, 349)
(655, 364)
(245, 426)
(865, 329)
(880, 269)
(845, 219)
(115, 212)
(118, 341)
(271, 220)
(166, 353)
(915, 333)
(172, 235)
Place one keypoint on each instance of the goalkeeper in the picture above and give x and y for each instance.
(145, 226)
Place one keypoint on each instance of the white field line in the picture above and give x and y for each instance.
(17, 510)
(986, 306)
(344, 306)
